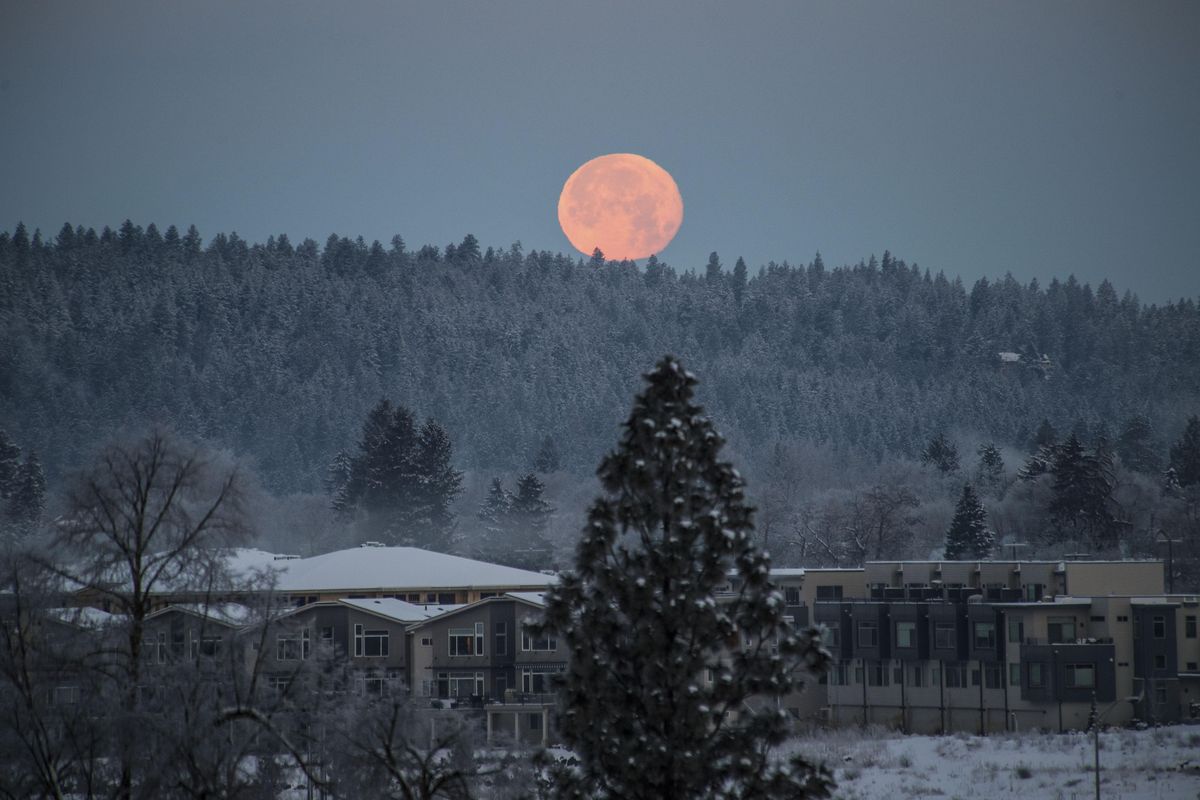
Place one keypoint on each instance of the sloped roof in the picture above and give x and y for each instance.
(381, 568)
(235, 615)
(397, 610)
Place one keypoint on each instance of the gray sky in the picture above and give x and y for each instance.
(1042, 138)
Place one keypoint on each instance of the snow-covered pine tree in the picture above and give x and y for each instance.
(493, 516)
(660, 695)
(968, 536)
(941, 453)
(989, 474)
(1185, 454)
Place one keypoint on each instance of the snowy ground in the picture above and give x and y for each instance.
(1158, 764)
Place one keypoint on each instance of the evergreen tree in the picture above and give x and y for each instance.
(1135, 445)
(941, 453)
(990, 471)
(493, 516)
(10, 465)
(547, 459)
(712, 270)
(401, 484)
(968, 536)
(643, 626)
(1185, 455)
(739, 280)
(529, 515)
(1046, 436)
(1082, 493)
(27, 500)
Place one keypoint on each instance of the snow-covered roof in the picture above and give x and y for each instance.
(235, 615)
(398, 610)
(1010, 358)
(384, 568)
(537, 598)
(787, 572)
(84, 617)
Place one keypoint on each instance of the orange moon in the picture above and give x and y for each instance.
(625, 204)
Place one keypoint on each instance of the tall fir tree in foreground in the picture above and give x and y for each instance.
(645, 629)
(968, 536)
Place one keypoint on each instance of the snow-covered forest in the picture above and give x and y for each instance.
(829, 383)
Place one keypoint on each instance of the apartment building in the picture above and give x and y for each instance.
(994, 645)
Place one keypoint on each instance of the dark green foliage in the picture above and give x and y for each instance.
(547, 459)
(1185, 455)
(644, 627)
(968, 536)
(514, 525)
(989, 474)
(27, 499)
(278, 352)
(941, 453)
(1082, 494)
(401, 483)
(739, 280)
(1136, 446)
(1046, 436)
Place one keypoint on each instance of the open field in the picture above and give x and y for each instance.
(1154, 764)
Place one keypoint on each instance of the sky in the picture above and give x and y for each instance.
(1039, 138)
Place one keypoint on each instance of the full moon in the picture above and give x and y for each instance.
(625, 204)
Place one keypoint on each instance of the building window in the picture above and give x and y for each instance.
(293, 646)
(207, 646)
(1121, 618)
(155, 650)
(426, 641)
(460, 684)
(467, 641)
(501, 638)
(532, 643)
(1189, 626)
(1014, 675)
(1191, 666)
(446, 599)
(832, 635)
(791, 595)
(906, 634)
(1160, 695)
(1160, 627)
(985, 636)
(975, 677)
(1036, 678)
(375, 684)
(1034, 592)
(1061, 629)
(944, 637)
(501, 685)
(535, 722)
(371, 644)
(898, 673)
(1160, 661)
(956, 676)
(278, 683)
(877, 674)
(1016, 631)
(868, 634)
(327, 635)
(840, 674)
(64, 695)
(918, 676)
(829, 592)
(993, 676)
(859, 677)
(536, 680)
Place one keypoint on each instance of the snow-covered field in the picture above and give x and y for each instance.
(1156, 764)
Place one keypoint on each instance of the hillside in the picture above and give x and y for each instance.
(277, 351)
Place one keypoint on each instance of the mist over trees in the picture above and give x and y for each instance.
(830, 384)
(280, 350)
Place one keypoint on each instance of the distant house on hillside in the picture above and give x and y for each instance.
(1031, 359)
